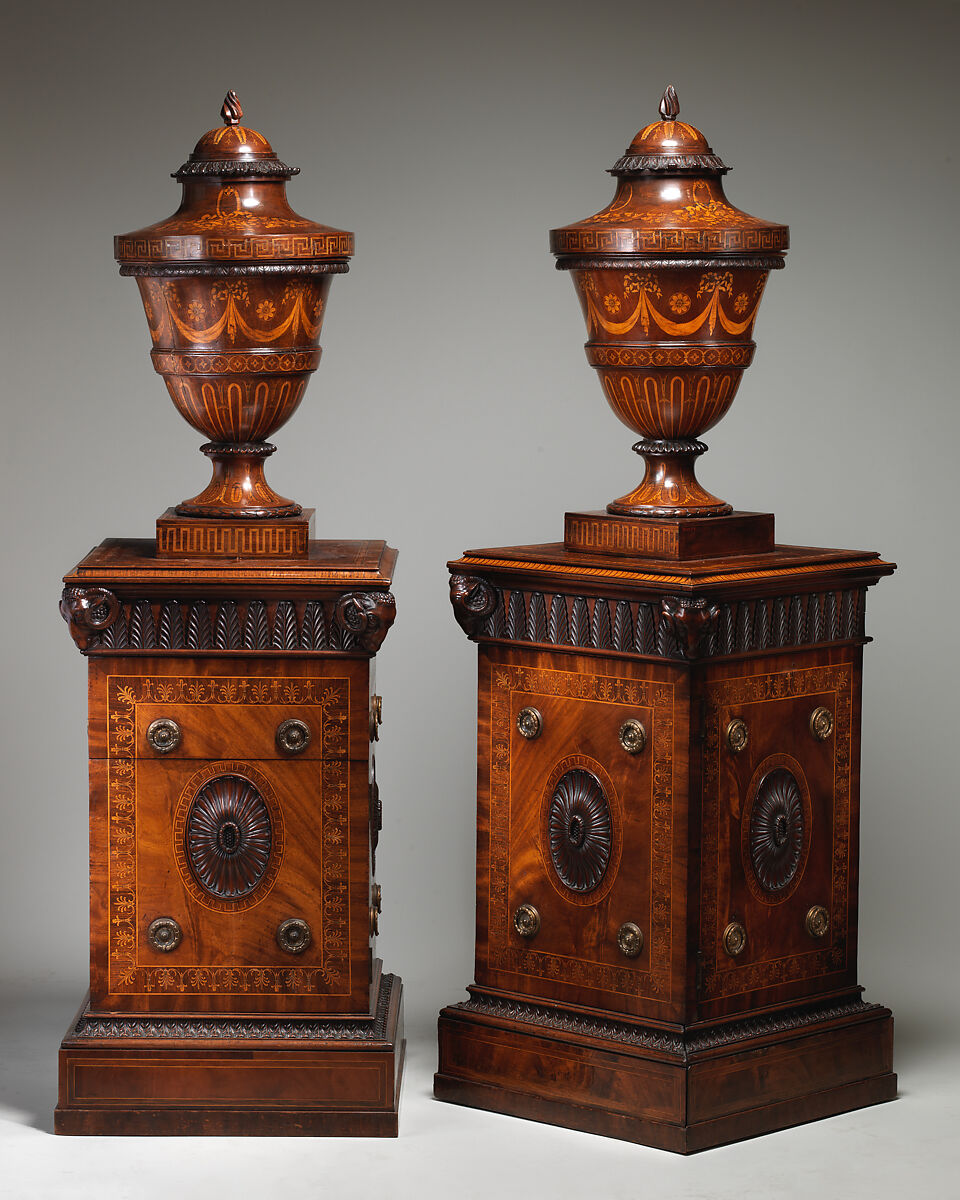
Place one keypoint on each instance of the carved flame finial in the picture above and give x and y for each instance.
(232, 112)
(669, 104)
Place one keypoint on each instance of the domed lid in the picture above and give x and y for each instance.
(668, 145)
(233, 149)
(669, 202)
(234, 211)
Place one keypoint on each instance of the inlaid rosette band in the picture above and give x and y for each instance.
(238, 362)
(671, 355)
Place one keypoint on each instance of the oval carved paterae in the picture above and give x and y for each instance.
(580, 830)
(777, 830)
(228, 837)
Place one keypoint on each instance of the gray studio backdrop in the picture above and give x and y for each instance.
(453, 407)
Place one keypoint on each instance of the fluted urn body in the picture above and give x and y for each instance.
(234, 287)
(670, 277)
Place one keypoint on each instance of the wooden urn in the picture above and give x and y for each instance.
(668, 739)
(233, 718)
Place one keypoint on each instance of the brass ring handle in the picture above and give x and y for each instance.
(817, 921)
(821, 723)
(374, 922)
(630, 939)
(734, 939)
(526, 921)
(163, 735)
(378, 897)
(376, 717)
(293, 736)
(530, 723)
(633, 736)
(293, 935)
(737, 735)
(164, 934)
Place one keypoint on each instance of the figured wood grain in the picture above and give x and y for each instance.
(575, 955)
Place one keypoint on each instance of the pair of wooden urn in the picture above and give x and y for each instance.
(668, 749)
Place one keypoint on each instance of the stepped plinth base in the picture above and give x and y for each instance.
(172, 1074)
(675, 1089)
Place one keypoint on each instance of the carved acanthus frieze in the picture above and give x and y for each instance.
(676, 627)
(355, 621)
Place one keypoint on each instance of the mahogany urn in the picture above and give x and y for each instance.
(234, 287)
(670, 277)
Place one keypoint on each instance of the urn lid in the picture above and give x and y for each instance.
(669, 202)
(234, 213)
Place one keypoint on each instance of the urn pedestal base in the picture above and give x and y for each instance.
(675, 1089)
(271, 1076)
(668, 757)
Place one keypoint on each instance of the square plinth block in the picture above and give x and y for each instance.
(676, 1090)
(671, 538)
(317, 1077)
(211, 537)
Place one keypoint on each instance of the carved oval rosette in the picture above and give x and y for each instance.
(228, 836)
(581, 829)
(776, 828)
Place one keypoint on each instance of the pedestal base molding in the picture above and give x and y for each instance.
(317, 1077)
(675, 1089)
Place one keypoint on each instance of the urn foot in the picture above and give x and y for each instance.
(238, 487)
(670, 487)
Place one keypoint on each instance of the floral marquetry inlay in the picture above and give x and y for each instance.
(235, 822)
(770, 838)
(512, 687)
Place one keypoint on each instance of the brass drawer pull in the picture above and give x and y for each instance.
(526, 921)
(817, 921)
(293, 935)
(530, 723)
(821, 723)
(734, 939)
(633, 736)
(630, 939)
(163, 735)
(293, 736)
(164, 934)
(737, 735)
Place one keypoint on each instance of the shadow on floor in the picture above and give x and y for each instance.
(31, 1028)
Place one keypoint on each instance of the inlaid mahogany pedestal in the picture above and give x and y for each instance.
(234, 807)
(668, 737)
(234, 816)
(657, 740)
